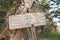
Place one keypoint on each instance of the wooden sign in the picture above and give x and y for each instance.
(25, 20)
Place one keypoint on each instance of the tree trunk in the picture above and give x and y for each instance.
(18, 35)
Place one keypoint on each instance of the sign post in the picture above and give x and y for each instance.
(33, 32)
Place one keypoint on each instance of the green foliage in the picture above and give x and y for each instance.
(43, 2)
(5, 5)
(1, 24)
(52, 36)
(44, 5)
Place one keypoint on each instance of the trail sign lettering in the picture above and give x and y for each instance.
(25, 20)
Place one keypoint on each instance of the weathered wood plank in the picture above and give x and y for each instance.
(33, 32)
(25, 20)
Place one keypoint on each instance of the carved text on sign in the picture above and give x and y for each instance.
(25, 20)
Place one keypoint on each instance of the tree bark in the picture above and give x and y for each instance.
(18, 35)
